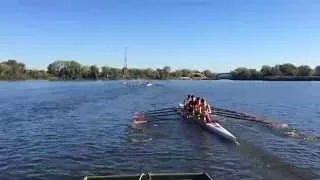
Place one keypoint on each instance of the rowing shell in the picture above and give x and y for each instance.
(214, 127)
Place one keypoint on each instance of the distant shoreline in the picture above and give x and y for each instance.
(62, 70)
(294, 78)
(283, 79)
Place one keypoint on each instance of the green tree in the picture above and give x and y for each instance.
(150, 73)
(276, 71)
(68, 70)
(288, 69)
(159, 73)
(266, 71)
(176, 74)
(115, 73)
(56, 68)
(37, 74)
(166, 72)
(105, 72)
(85, 72)
(209, 74)
(304, 70)
(254, 74)
(93, 72)
(12, 70)
(4, 71)
(317, 71)
(241, 74)
(74, 70)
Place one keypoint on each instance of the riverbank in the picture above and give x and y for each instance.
(292, 78)
(282, 78)
(74, 71)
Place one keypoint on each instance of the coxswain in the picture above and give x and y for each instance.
(186, 100)
(190, 105)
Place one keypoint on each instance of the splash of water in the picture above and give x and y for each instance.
(295, 133)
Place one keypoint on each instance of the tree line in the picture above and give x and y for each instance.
(72, 70)
(13, 70)
(285, 71)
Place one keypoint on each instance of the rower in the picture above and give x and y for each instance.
(205, 110)
(190, 105)
(193, 105)
(197, 105)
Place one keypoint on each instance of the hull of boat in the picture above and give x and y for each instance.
(214, 127)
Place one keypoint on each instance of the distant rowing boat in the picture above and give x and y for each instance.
(214, 127)
(148, 83)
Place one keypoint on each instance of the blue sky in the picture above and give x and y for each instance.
(204, 34)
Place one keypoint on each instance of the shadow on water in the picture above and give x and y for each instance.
(138, 133)
(270, 166)
(145, 132)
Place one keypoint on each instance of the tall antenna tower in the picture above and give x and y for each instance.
(125, 67)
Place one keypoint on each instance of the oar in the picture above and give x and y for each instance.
(235, 113)
(140, 118)
(229, 112)
(243, 116)
(163, 109)
(225, 110)
(239, 116)
(161, 112)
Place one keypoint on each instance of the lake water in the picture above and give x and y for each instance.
(66, 130)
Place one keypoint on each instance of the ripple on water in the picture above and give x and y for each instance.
(69, 130)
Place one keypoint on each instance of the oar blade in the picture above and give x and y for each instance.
(280, 126)
(139, 118)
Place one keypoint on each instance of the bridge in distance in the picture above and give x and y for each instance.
(223, 76)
